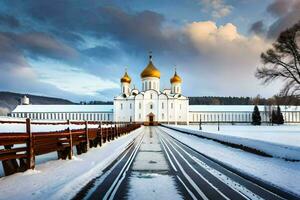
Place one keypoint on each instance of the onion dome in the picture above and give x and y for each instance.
(126, 78)
(175, 78)
(150, 70)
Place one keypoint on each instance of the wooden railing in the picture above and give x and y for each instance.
(18, 150)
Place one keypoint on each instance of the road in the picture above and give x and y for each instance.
(156, 166)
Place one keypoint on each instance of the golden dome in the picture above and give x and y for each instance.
(175, 78)
(150, 70)
(126, 78)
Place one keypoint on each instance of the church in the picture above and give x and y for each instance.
(151, 105)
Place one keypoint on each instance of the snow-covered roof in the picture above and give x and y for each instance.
(236, 108)
(63, 108)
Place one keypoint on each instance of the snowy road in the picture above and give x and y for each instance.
(156, 166)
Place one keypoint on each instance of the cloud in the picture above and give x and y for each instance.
(9, 20)
(218, 8)
(224, 41)
(41, 44)
(280, 7)
(287, 14)
(228, 58)
(258, 28)
(72, 79)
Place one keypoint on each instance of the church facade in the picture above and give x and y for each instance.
(150, 104)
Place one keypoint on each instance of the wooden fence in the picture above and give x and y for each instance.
(19, 149)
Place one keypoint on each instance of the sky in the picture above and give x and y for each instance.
(79, 50)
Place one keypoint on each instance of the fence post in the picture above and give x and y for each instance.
(218, 123)
(112, 132)
(200, 124)
(71, 142)
(101, 137)
(87, 135)
(107, 134)
(116, 129)
(30, 146)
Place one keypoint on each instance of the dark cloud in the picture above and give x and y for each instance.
(8, 20)
(258, 28)
(287, 13)
(42, 44)
(280, 7)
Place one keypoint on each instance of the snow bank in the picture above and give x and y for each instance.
(284, 151)
(62, 179)
(277, 172)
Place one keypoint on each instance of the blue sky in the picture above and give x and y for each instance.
(79, 49)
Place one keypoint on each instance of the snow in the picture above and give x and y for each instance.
(278, 172)
(278, 141)
(64, 108)
(62, 179)
(21, 128)
(149, 186)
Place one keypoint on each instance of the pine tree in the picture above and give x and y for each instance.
(280, 119)
(274, 118)
(256, 118)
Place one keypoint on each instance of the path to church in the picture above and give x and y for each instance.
(156, 166)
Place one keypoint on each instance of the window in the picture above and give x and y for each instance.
(150, 85)
(140, 116)
(154, 85)
(151, 96)
(171, 105)
(121, 106)
(130, 106)
(123, 89)
(162, 105)
(151, 106)
(162, 116)
(140, 106)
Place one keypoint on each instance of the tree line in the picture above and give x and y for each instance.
(258, 100)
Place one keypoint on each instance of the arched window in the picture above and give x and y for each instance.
(150, 85)
(151, 96)
(151, 106)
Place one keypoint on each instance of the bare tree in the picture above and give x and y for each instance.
(282, 62)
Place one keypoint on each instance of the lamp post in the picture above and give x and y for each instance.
(218, 124)
(200, 124)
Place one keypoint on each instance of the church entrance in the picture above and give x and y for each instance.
(151, 119)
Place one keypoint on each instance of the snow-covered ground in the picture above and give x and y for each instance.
(21, 128)
(278, 172)
(283, 134)
(278, 141)
(62, 179)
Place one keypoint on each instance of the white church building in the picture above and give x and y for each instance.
(151, 105)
